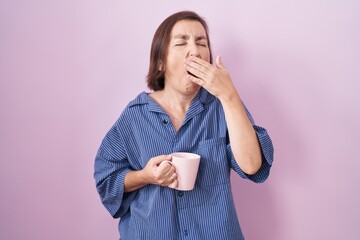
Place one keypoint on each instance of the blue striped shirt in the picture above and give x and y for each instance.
(153, 212)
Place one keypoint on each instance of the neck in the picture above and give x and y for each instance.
(174, 100)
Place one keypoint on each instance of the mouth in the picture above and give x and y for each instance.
(191, 74)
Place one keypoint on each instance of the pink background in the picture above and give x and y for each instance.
(68, 68)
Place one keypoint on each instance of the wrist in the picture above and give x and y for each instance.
(143, 176)
(230, 98)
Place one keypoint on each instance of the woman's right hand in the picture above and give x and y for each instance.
(160, 174)
(153, 173)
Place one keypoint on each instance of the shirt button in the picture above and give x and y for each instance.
(165, 121)
(181, 194)
(186, 232)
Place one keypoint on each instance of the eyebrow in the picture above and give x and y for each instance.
(186, 37)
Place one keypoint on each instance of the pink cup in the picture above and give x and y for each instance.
(187, 166)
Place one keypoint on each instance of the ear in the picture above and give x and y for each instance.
(161, 67)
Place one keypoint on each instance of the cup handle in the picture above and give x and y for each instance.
(166, 161)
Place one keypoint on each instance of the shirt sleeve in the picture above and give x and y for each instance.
(111, 166)
(267, 150)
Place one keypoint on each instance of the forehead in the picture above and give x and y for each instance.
(188, 27)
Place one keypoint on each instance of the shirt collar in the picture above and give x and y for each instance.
(203, 97)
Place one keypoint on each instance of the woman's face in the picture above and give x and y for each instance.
(187, 38)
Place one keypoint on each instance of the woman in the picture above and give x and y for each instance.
(194, 107)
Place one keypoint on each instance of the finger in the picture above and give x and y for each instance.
(197, 68)
(195, 72)
(169, 171)
(174, 184)
(173, 177)
(219, 63)
(167, 179)
(165, 170)
(199, 62)
(196, 80)
(158, 159)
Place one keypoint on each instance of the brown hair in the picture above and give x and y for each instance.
(160, 42)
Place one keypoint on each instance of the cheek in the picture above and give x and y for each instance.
(176, 57)
(206, 55)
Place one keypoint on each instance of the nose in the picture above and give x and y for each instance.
(193, 50)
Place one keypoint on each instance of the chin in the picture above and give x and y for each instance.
(191, 88)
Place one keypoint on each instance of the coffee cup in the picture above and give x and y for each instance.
(186, 167)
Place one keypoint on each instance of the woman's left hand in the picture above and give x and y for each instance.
(214, 78)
